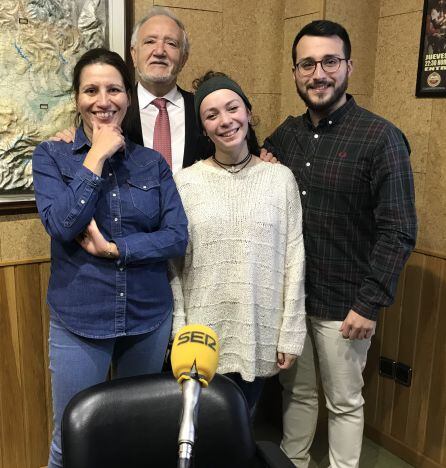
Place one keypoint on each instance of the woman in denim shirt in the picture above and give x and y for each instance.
(115, 218)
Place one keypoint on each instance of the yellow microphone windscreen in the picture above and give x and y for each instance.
(195, 352)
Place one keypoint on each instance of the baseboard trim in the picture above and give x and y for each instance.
(401, 450)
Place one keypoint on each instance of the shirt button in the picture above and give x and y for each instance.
(121, 269)
(110, 174)
(304, 192)
(316, 135)
(144, 186)
(330, 122)
(121, 294)
(83, 202)
(116, 219)
(308, 164)
(114, 194)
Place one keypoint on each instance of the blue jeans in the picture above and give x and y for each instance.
(251, 390)
(77, 363)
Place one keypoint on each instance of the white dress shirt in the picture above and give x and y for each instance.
(176, 111)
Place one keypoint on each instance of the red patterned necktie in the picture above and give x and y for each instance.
(161, 134)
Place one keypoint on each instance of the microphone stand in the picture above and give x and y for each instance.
(186, 437)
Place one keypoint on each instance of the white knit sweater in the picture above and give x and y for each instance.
(243, 273)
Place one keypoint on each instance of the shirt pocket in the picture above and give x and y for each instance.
(145, 194)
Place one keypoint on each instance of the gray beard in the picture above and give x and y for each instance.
(156, 79)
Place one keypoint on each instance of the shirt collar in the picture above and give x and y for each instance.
(80, 139)
(335, 117)
(145, 97)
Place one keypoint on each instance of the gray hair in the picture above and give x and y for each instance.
(162, 11)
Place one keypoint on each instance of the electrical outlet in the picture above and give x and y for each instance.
(403, 374)
(387, 367)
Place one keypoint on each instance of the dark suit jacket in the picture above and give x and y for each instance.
(196, 146)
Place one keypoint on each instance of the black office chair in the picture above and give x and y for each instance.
(134, 423)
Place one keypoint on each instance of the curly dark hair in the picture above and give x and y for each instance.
(207, 76)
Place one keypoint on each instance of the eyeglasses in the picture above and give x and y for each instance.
(329, 64)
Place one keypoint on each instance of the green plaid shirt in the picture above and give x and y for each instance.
(357, 193)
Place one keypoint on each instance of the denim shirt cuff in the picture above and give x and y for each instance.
(123, 250)
(89, 183)
(90, 177)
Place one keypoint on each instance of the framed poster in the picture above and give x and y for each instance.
(40, 42)
(431, 78)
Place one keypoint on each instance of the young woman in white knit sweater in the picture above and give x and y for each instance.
(243, 273)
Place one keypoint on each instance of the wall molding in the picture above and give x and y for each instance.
(25, 261)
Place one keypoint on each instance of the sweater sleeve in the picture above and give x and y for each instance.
(175, 275)
(293, 329)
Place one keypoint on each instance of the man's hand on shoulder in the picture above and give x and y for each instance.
(66, 135)
(357, 327)
(268, 157)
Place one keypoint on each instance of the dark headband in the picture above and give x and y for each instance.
(213, 84)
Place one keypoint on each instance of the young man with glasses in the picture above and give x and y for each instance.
(359, 227)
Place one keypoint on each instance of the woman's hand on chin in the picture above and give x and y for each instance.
(107, 139)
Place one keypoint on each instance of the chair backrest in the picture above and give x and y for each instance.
(134, 422)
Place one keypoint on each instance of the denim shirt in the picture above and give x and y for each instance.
(135, 204)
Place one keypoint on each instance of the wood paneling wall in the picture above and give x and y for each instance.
(411, 421)
(25, 402)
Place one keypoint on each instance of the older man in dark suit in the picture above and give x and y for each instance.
(163, 113)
